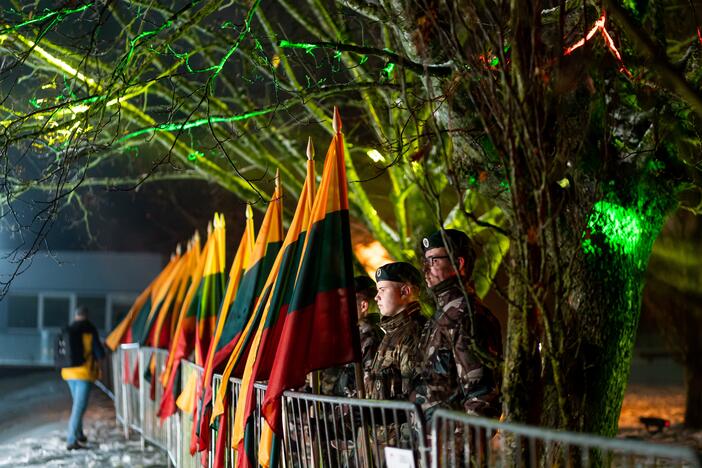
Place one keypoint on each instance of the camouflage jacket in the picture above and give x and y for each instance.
(395, 363)
(341, 381)
(459, 346)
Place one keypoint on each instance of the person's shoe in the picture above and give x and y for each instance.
(75, 446)
(82, 439)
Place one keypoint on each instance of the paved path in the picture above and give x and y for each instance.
(34, 411)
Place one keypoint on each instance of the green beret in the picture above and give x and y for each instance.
(400, 272)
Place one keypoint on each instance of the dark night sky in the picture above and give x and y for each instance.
(153, 218)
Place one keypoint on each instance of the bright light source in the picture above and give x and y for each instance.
(375, 155)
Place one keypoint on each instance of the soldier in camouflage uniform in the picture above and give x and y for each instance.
(461, 345)
(395, 363)
(341, 381)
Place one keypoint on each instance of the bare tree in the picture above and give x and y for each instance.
(550, 127)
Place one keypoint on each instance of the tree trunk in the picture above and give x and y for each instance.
(579, 379)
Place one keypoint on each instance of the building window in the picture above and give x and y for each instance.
(22, 311)
(96, 309)
(56, 312)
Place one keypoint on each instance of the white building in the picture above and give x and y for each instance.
(41, 299)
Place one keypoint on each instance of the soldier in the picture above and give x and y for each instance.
(395, 363)
(461, 345)
(341, 381)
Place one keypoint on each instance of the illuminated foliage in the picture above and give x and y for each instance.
(521, 127)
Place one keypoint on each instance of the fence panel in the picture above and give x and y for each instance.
(118, 389)
(345, 432)
(188, 369)
(461, 440)
(348, 432)
(159, 433)
(129, 380)
(234, 385)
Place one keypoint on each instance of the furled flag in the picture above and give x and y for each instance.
(256, 271)
(268, 244)
(160, 335)
(281, 282)
(236, 272)
(210, 302)
(320, 325)
(123, 332)
(160, 331)
(183, 340)
(234, 337)
(140, 319)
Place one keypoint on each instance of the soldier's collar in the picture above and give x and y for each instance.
(446, 285)
(390, 324)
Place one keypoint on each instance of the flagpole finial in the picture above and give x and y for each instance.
(277, 179)
(310, 149)
(179, 249)
(336, 122)
(209, 228)
(249, 211)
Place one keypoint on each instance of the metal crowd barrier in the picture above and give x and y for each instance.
(349, 432)
(461, 440)
(187, 460)
(125, 366)
(157, 432)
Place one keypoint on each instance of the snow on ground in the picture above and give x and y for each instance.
(34, 412)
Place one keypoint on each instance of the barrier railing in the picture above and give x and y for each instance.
(461, 440)
(126, 379)
(347, 432)
(189, 369)
(157, 432)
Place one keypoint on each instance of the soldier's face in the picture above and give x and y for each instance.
(437, 266)
(361, 306)
(391, 297)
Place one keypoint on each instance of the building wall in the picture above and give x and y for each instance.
(42, 299)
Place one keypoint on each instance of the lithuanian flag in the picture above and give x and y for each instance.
(184, 335)
(160, 335)
(281, 282)
(319, 329)
(256, 270)
(210, 302)
(160, 331)
(138, 323)
(125, 332)
(236, 272)
(268, 244)
(265, 251)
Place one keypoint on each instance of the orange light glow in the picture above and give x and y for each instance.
(600, 26)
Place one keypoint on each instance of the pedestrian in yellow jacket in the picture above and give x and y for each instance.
(85, 352)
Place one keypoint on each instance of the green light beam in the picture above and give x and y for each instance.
(242, 35)
(180, 126)
(621, 227)
(59, 15)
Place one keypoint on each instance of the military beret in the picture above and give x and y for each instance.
(459, 244)
(400, 272)
(364, 285)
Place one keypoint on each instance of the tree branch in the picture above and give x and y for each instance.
(670, 78)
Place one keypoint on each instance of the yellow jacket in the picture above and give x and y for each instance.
(89, 370)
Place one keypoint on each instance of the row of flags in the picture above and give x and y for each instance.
(286, 308)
